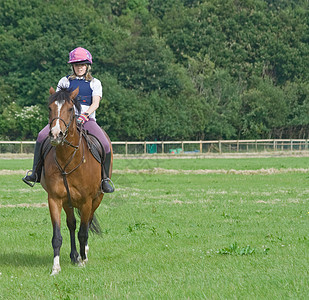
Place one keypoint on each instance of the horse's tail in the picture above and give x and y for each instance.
(94, 225)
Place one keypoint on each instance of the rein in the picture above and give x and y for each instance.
(63, 170)
(65, 134)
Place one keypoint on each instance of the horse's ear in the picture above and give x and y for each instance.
(52, 90)
(74, 94)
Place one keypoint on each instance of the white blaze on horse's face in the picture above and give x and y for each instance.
(55, 130)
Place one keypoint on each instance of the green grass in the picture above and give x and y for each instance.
(165, 236)
(213, 163)
(186, 164)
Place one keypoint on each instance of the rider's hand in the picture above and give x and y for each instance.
(83, 118)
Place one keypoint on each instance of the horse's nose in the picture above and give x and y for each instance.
(56, 135)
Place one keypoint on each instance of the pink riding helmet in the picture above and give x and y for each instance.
(80, 55)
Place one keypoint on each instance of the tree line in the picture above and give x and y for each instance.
(170, 69)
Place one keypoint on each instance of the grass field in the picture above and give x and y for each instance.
(170, 231)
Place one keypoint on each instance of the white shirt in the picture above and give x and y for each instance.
(95, 85)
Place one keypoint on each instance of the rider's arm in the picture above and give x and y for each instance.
(95, 104)
(96, 87)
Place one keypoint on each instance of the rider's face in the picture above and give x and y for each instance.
(80, 69)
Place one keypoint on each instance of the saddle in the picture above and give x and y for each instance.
(93, 144)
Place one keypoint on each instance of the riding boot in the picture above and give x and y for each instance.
(36, 169)
(106, 187)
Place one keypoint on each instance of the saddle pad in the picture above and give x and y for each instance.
(95, 147)
(93, 144)
(46, 147)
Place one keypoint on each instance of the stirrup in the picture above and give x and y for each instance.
(29, 182)
(109, 180)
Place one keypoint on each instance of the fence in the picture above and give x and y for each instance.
(181, 147)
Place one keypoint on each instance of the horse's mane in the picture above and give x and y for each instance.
(64, 95)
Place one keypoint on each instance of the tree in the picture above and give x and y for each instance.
(264, 111)
(200, 69)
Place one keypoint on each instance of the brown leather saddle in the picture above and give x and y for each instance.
(93, 144)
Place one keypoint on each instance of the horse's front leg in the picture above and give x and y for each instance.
(55, 214)
(71, 223)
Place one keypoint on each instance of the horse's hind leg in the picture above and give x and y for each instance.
(55, 212)
(94, 226)
(83, 242)
(83, 232)
(71, 223)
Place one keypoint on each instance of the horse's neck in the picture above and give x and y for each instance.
(72, 146)
(73, 135)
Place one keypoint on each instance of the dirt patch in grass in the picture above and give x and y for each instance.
(12, 172)
(153, 171)
(208, 171)
(24, 205)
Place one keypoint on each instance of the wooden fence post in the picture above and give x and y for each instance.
(223, 145)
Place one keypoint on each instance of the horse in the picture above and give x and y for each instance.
(71, 176)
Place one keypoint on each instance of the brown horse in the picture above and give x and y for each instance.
(71, 176)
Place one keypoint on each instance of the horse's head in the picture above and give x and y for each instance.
(61, 113)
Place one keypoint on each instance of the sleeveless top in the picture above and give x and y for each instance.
(87, 89)
(84, 96)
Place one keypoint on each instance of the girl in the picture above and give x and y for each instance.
(90, 94)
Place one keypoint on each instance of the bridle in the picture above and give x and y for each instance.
(66, 131)
(62, 170)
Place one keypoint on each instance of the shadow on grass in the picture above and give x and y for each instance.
(19, 259)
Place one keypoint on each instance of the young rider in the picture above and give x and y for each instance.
(90, 94)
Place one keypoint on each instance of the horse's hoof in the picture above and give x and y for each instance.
(55, 271)
(74, 258)
(81, 262)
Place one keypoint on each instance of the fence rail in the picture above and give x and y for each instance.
(181, 147)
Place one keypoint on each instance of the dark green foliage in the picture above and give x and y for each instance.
(215, 69)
